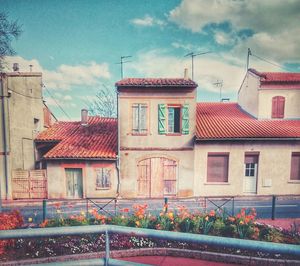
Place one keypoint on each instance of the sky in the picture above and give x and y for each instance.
(77, 44)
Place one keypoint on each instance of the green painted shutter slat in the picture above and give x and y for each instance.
(161, 119)
(185, 119)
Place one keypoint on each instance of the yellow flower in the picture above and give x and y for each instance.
(30, 220)
(137, 223)
(58, 211)
(82, 213)
(241, 222)
(171, 215)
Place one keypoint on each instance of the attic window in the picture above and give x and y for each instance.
(278, 103)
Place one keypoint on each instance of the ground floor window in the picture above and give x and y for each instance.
(103, 178)
(295, 166)
(217, 167)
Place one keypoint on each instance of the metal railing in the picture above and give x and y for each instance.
(273, 248)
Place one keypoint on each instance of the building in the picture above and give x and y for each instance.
(80, 157)
(172, 146)
(23, 115)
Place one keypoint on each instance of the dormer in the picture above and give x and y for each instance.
(271, 95)
(155, 112)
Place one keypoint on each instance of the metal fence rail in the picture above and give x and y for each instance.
(274, 248)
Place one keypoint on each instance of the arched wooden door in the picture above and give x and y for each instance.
(157, 177)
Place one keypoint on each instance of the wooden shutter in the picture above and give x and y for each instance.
(185, 119)
(251, 158)
(143, 118)
(278, 103)
(217, 168)
(135, 118)
(161, 119)
(295, 166)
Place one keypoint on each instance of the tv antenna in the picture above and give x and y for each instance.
(123, 62)
(192, 55)
(248, 58)
(219, 84)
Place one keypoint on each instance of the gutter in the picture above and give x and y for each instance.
(255, 139)
(118, 161)
(4, 138)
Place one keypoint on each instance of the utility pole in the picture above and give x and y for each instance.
(192, 55)
(123, 62)
(219, 83)
(248, 58)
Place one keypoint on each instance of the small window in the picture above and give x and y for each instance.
(251, 162)
(295, 166)
(174, 119)
(278, 103)
(103, 178)
(139, 118)
(217, 167)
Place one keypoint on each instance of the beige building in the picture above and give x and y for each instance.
(23, 115)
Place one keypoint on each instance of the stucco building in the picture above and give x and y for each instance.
(23, 114)
(172, 146)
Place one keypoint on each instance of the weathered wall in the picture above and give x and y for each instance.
(57, 184)
(248, 94)
(292, 103)
(274, 163)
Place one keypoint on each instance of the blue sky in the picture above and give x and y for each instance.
(77, 43)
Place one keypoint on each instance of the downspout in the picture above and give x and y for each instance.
(118, 155)
(4, 138)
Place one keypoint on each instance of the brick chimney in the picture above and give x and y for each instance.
(186, 74)
(84, 117)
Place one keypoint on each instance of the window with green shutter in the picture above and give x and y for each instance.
(185, 119)
(161, 119)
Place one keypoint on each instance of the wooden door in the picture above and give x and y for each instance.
(74, 182)
(250, 176)
(157, 177)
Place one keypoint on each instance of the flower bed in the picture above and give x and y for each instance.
(243, 225)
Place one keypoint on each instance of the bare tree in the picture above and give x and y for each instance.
(105, 103)
(9, 30)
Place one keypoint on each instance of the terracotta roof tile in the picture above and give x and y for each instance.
(228, 120)
(156, 82)
(96, 140)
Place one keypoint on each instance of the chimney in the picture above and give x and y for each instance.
(84, 117)
(16, 67)
(186, 74)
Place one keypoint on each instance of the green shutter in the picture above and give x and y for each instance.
(185, 119)
(161, 119)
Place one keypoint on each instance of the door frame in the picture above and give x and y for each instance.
(256, 168)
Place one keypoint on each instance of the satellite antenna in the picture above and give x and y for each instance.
(123, 62)
(192, 55)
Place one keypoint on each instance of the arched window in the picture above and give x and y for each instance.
(278, 106)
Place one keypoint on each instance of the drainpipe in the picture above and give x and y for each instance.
(118, 155)
(4, 138)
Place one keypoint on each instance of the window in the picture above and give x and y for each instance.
(278, 103)
(139, 118)
(173, 119)
(217, 167)
(251, 162)
(103, 178)
(295, 166)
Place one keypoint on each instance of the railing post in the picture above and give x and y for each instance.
(115, 206)
(44, 209)
(273, 206)
(87, 208)
(166, 205)
(232, 206)
(106, 247)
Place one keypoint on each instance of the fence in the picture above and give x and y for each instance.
(273, 248)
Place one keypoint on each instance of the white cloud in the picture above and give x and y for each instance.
(65, 76)
(147, 21)
(275, 23)
(224, 38)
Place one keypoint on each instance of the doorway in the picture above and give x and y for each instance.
(74, 183)
(250, 175)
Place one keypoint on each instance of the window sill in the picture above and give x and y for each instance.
(294, 181)
(139, 134)
(173, 134)
(216, 183)
(103, 188)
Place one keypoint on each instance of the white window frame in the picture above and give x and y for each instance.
(100, 175)
(139, 127)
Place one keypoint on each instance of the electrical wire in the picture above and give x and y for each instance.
(267, 61)
(28, 96)
(50, 94)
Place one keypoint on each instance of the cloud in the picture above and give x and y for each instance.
(275, 24)
(65, 76)
(147, 21)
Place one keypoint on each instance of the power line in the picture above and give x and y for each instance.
(28, 96)
(268, 61)
(192, 55)
(56, 102)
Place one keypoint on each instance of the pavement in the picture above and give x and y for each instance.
(284, 223)
(173, 261)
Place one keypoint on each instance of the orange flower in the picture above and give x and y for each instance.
(212, 213)
(231, 219)
(171, 215)
(44, 224)
(206, 218)
(57, 205)
(125, 210)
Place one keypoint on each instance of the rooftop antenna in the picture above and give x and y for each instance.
(248, 58)
(123, 62)
(192, 55)
(219, 84)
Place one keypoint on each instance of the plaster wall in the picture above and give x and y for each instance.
(274, 167)
(57, 183)
(248, 94)
(292, 103)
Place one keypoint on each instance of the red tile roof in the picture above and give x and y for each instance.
(156, 82)
(96, 140)
(229, 121)
(286, 79)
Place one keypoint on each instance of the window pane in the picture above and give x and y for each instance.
(103, 178)
(295, 166)
(171, 119)
(135, 118)
(176, 120)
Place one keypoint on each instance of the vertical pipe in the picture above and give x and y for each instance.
(87, 208)
(118, 161)
(44, 209)
(232, 206)
(106, 247)
(115, 206)
(4, 138)
(273, 206)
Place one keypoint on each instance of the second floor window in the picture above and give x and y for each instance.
(278, 103)
(139, 118)
(174, 119)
